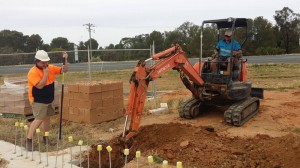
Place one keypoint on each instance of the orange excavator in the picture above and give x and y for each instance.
(207, 87)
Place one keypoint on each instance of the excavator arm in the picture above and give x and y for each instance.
(172, 58)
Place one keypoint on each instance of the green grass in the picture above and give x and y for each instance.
(267, 76)
(275, 76)
(296, 130)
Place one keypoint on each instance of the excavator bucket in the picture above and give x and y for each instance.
(257, 92)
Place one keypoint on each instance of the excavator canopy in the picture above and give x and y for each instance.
(227, 23)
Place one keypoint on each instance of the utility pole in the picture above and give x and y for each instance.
(90, 29)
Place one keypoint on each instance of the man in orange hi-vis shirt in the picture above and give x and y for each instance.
(41, 78)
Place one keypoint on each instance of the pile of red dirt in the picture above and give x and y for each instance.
(267, 140)
(202, 147)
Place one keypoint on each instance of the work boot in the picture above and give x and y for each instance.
(29, 144)
(45, 138)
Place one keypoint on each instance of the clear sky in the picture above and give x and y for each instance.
(115, 19)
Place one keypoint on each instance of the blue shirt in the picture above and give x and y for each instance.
(224, 48)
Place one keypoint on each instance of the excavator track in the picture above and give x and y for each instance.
(190, 109)
(240, 112)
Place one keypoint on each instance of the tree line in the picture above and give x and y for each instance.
(264, 38)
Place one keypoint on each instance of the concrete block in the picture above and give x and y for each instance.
(158, 110)
(164, 105)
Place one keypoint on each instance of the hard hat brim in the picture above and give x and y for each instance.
(45, 60)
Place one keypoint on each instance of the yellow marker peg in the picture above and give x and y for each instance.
(150, 159)
(25, 127)
(108, 148)
(37, 130)
(46, 134)
(70, 139)
(138, 154)
(126, 152)
(165, 164)
(99, 148)
(21, 124)
(179, 165)
(17, 124)
(80, 142)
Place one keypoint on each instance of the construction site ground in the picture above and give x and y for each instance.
(270, 139)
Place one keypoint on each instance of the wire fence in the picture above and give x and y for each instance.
(76, 56)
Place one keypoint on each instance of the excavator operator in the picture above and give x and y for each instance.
(222, 54)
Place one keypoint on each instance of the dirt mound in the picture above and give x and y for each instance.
(269, 139)
(3, 163)
(206, 141)
(202, 147)
(117, 157)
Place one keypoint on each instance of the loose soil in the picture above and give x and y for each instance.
(270, 139)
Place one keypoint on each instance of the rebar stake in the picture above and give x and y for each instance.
(38, 131)
(32, 146)
(57, 148)
(109, 149)
(80, 142)
(99, 149)
(179, 165)
(137, 155)
(16, 134)
(63, 155)
(165, 164)
(47, 144)
(88, 150)
(26, 145)
(126, 153)
(150, 161)
(21, 139)
(70, 140)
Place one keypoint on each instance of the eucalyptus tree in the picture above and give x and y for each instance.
(94, 42)
(287, 23)
(33, 43)
(59, 42)
(189, 31)
(158, 39)
(12, 41)
(173, 37)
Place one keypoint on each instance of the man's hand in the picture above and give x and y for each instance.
(213, 56)
(46, 71)
(239, 52)
(43, 81)
(65, 66)
(65, 56)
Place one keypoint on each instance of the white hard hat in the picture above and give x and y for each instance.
(42, 55)
(228, 33)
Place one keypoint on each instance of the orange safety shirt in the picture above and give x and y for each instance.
(46, 94)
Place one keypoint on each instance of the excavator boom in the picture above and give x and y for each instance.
(172, 58)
